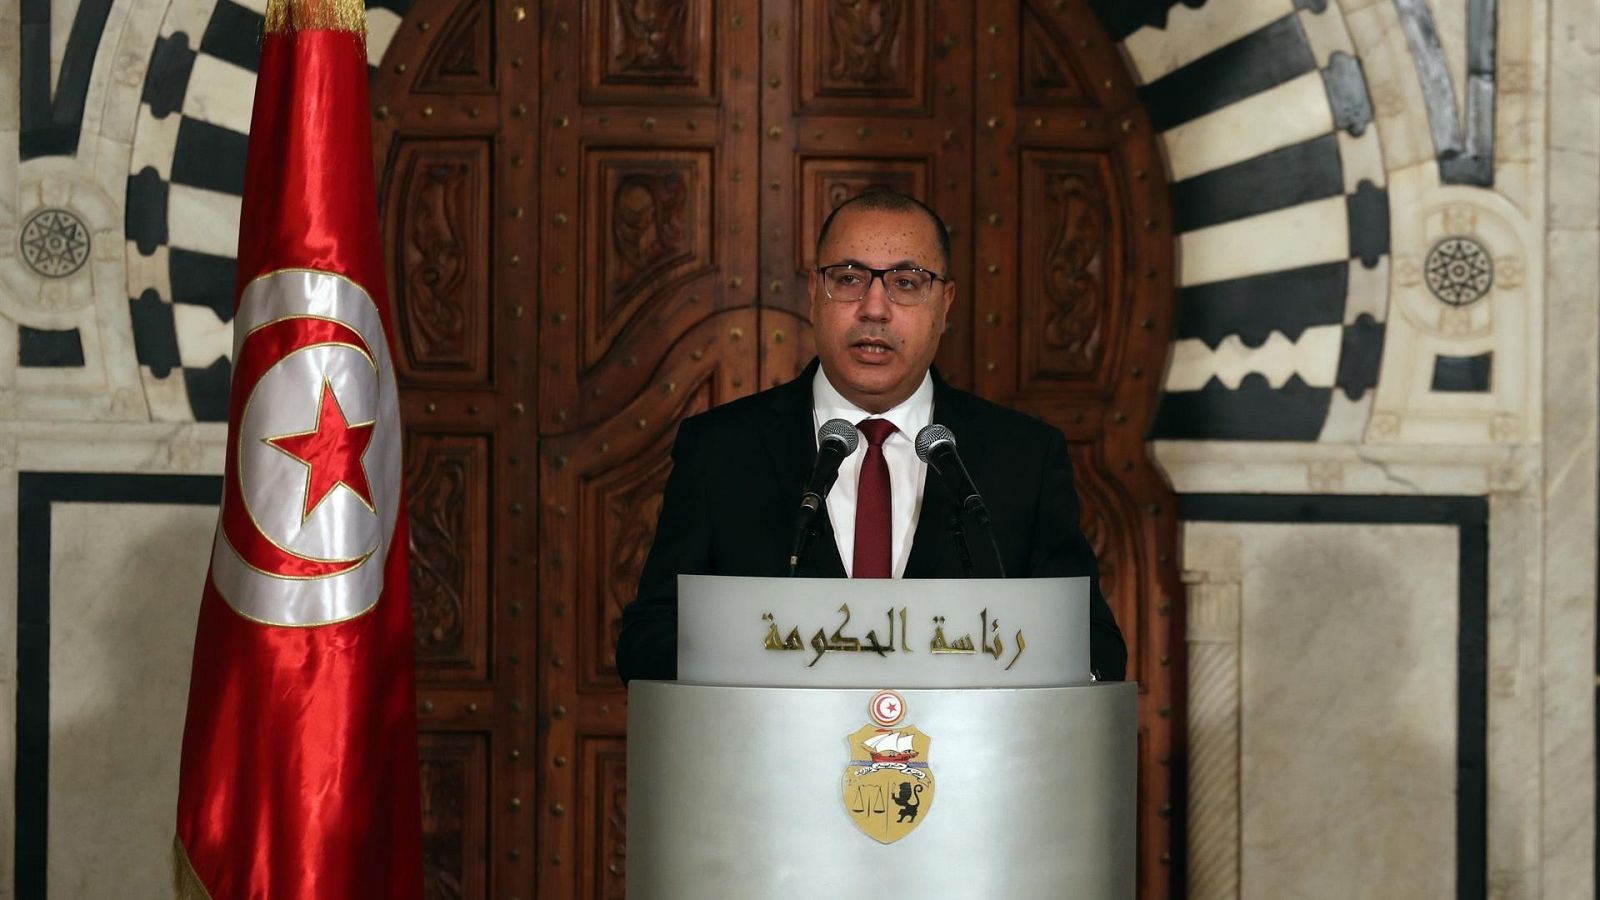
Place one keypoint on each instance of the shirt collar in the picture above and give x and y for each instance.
(910, 416)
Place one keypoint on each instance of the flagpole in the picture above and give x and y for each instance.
(299, 773)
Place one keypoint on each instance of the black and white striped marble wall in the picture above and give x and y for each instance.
(130, 128)
(1309, 213)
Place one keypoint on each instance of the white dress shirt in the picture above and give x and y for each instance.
(906, 472)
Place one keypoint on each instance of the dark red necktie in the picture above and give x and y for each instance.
(874, 516)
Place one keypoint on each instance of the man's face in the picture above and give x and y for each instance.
(875, 351)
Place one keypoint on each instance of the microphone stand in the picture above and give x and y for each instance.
(982, 525)
(962, 549)
(800, 542)
(987, 528)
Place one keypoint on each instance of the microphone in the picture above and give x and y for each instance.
(936, 446)
(836, 439)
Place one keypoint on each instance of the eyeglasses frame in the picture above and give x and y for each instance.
(881, 275)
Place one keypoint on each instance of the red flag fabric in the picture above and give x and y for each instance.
(299, 772)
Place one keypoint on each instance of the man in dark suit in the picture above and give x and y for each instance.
(879, 299)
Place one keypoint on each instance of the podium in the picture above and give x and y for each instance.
(861, 739)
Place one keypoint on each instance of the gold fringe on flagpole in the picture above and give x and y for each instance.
(318, 15)
(185, 883)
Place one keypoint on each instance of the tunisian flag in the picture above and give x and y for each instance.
(299, 776)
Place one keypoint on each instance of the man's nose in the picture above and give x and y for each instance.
(875, 305)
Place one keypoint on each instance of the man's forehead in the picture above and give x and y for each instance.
(906, 230)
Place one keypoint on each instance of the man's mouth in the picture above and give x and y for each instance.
(872, 346)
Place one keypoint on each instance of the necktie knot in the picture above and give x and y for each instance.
(876, 431)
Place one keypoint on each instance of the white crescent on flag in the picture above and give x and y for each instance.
(313, 480)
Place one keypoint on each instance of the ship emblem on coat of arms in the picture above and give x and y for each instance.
(888, 785)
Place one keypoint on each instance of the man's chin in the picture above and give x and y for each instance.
(874, 394)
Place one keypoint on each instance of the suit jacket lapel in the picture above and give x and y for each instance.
(934, 552)
(791, 444)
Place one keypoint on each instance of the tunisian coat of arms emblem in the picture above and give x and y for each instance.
(888, 785)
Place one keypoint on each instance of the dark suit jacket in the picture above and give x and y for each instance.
(737, 475)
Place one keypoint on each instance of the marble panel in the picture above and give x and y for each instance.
(125, 74)
(1361, 158)
(61, 11)
(207, 221)
(1450, 22)
(1191, 33)
(125, 592)
(1401, 116)
(1212, 574)
(1368, 292)
(1290, 113)
(1237, 467)
(189, 17)
(148, 273)
(1514, 739)
(202, 337)
(1348, 710)
(1566, 853)
(1430, 318)
(10, 89)
(1574, 134)
(1520, 107)
(1326, 33)
(220, 93)
(381, 26)
(1346, 422)
(153, 140)
(1289, 238)
(167, 398)
(8, 645)
(125, 447)
(1314, 357)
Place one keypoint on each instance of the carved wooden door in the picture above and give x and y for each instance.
(599, 215)
(456, 152)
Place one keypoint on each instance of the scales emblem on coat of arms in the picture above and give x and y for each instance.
(888, 786)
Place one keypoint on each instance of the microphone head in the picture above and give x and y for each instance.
(930, 437)
(841, 431)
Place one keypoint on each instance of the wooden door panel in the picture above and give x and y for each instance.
(454, 149)
(448, 489)
(1069, 226)
(438, 208)
(454, 769)
(653, 54)
(648, 217)
(863, 56)
(462, 58)
(602, 836)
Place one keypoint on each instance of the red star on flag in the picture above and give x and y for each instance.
(331, 452)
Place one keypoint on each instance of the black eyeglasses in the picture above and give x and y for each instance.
(848, 283)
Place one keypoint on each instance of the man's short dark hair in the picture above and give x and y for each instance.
(890, 201)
